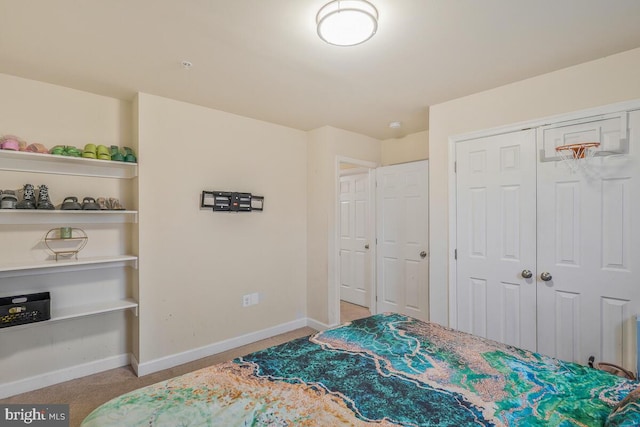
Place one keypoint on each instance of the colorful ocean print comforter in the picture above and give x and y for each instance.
(385, 370)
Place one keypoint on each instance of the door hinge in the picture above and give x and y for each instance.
(455, 254)
(455, 167)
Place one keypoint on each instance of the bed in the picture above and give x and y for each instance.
(384, 370)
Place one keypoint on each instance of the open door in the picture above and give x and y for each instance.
(402, 218)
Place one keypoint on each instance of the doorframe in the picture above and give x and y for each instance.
(451, 283)
(334, 247)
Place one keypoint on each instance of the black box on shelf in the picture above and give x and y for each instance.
(21, 309)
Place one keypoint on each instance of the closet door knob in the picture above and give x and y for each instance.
(423, 254)
(527, 274)
(545, 276)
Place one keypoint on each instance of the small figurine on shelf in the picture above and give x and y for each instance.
(43, 198)
(28, 198)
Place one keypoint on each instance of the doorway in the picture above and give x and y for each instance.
(355, 236)
(397, 215)
(355, 240)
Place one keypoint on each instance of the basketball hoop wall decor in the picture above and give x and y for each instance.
(577, 137)
(578, 155)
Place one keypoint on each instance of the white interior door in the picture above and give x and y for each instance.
(589, 242)
(355, 259)
(402, 237)
(496, 238)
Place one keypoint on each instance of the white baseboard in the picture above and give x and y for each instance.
(54, 377)
(318, 326)
(170, 361)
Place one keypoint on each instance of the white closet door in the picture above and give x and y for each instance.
(355, 258)
(403, 236)
(589, 242)
(496, 238)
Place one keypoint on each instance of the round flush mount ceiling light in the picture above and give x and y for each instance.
(347, 22)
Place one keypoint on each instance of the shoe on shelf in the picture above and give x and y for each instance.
(103, 152)
(13, 143)
(72, 151)
(36, 148)
(44, 202)
(102, 203)
(89, 151)
(89, 204)
(116, 154)
(114, 204)
(28, 198)
(8, 199)
(58, 150)
(130, 155)
(70, 203)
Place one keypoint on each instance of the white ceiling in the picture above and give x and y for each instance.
(263, 59)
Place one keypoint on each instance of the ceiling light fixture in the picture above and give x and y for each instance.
(347, 22)
(395, 125)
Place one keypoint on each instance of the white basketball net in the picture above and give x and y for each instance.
(577, 156)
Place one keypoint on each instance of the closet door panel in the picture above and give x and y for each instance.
(614, 313)
(496, 237)
(566, 316)
(587, 243)
(567, 223)
(616, 223)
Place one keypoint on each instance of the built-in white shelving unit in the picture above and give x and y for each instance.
(14, 161)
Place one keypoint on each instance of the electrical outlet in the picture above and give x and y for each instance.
(246, 300)
(255, 298)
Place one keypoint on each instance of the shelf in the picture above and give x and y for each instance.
(91, 309)
(35, 216)
(22, 161)
(52, 266)
(83, 311)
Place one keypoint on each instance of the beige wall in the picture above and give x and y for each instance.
(325, 146)
(195, 265)
(604, 81)
(53, 115)
(407, 149)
